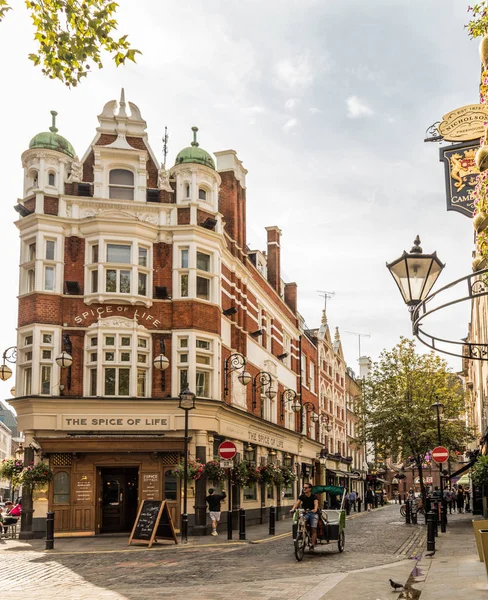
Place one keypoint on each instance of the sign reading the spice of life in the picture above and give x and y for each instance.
(153, 520)
(440, 454)
(461, 176)
(227, 450)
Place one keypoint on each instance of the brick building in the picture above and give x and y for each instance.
(121, 262)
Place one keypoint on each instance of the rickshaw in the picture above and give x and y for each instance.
(331, 524)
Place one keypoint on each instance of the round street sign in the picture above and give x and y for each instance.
(440, 454)
(227, 450)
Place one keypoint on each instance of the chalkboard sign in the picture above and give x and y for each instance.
(153, 520)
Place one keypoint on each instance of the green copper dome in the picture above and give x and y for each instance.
(51, 140)
(195, 154)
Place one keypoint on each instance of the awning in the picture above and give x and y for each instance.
(463, 469)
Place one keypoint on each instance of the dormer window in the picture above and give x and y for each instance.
(121, 184)
(202, 194)
(52, 179)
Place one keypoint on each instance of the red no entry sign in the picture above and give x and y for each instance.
(227, 450)
(440, 454)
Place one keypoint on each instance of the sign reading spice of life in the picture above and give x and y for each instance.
(150, 486)
(153, 518)
(461, 174)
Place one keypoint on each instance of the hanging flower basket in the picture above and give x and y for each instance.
(289, 476)
(253, 475)
(266, 474)
(11, 469)
(239, 474)
(36, 475)
(194, 472)
(214, 472)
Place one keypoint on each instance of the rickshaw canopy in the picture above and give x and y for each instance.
(337, 490)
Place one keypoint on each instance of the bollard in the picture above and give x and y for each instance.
(50, 531)
(272, 520)
(359, 506)
(407, 511)
(229, 524)
(242, 524)
(443, 516)
(435, 510)
(431, 531)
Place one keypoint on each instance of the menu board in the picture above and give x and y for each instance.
(149, 523)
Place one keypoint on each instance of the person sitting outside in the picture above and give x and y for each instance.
(13, 513)
(309, 501)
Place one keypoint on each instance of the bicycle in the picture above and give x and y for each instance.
(418, 508)
(303, 538)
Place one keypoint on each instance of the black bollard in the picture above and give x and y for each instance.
(435, 510)
(242, 524)
(443, 515)
(431, 531)
(407, 512)
(272, 520)
(50, 531)
(229, 524)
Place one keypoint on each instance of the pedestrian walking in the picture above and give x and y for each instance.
(359, 501)
(395, 496)
(370, 498)
(353, 499)
(467, 494)
(460, 499)
(347, 504)
(448, 499)
(213, 501)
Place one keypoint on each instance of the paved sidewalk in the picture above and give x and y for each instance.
(257, 534)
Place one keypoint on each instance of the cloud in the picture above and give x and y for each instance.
(253, 110)
(313, 110)
(357, 109)
(291, 103)
(295, 73)
(290, 124)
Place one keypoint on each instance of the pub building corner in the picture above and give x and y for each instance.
(127, 267)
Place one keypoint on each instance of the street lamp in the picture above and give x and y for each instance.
(262, 380)
(10, 355)
(439, 407)
(235, 362)
(415, 273)
(161, 362)
(298, 407)
(287, 395)
(186, 403)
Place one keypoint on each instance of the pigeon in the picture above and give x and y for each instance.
(431, 554)
(395, 586)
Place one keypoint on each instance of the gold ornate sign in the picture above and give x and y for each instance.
(464, 124)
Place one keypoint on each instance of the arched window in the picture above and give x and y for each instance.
(202, 194)
(121, 184)
(33, 178)
(61, 487)
(188, 190)
(52, 179)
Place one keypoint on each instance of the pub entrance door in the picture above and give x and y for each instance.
(118, 498)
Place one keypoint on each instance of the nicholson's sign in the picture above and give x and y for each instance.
(461, 175)
(464, 124)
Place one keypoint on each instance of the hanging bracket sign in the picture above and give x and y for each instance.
(464, 124)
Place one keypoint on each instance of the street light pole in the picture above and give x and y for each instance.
(187, 403)
(438, 408)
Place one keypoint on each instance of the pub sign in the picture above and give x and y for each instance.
(461, 176)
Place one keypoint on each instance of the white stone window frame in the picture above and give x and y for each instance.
(192, 272)
(107, 158)
(132, 187)
(117, 327)
(37, 362)
(191, 365)
(197, 177)
(287, 349)
(40, 263)
(102, 296)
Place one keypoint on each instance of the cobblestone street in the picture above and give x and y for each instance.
(215, 571)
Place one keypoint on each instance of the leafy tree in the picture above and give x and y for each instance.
(396, 415)
(72, 33)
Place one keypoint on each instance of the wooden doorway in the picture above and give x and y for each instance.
(119, 498)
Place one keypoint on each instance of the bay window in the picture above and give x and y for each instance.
(195, 364)
(118, 363)
(196, 274)
(40, 264)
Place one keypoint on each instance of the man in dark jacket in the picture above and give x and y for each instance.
(213, 501)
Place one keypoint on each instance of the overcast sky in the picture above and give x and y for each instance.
(326, 103)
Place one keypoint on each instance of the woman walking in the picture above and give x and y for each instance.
(460, 499)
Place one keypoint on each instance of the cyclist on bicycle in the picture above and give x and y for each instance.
(309, 502)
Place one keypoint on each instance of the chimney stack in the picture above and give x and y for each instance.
(274, 262)
(291, 296)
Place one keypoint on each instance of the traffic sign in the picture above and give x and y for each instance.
(226, 464)
(227, 450)
(440, 454)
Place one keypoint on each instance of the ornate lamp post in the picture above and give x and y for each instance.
(298, 407)
(236, 362)
(286, 396)
(186, 403)
(260, 381)
(161, 362)
(439, 407)
(10, 355)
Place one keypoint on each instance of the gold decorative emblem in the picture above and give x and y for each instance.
(463, 169)
(464, 124)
